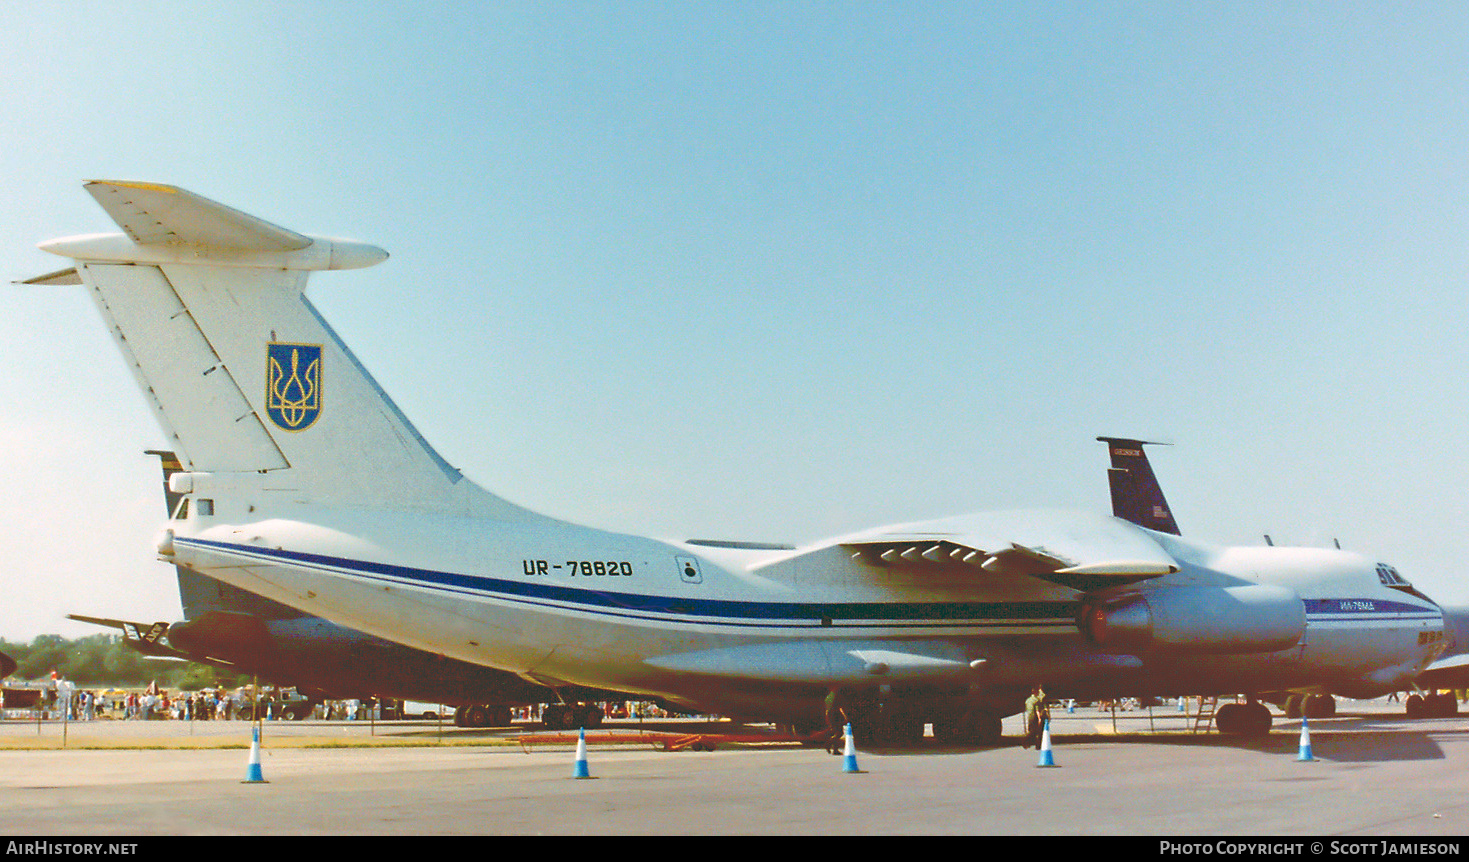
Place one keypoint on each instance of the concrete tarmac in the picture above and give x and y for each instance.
(1375, 774)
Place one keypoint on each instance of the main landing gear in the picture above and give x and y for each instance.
(970, 727)
(899, 726)
(482, 715)
(562, 716)
(1252, 719)
(1432, 705)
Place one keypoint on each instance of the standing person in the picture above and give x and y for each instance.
(836, 715)
(1036, 716)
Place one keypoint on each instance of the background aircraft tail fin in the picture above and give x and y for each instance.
(246, 377)
(1136, 494)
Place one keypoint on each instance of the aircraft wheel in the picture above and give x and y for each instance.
(1414, 706)
(1441, 706)
(1225, 718)
(1320, 706)
(587, 717)
(556, 717)
(1257, 720)
(1295, 706)
(477, 715)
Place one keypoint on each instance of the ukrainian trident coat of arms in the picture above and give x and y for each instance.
(293, 384)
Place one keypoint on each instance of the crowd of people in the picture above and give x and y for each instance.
(60, 699)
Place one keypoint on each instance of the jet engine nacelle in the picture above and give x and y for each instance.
(1244, 619)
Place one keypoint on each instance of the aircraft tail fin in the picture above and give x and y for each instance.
(1136, 495)
(208, 307)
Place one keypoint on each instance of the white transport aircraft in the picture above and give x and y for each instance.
(305, 484)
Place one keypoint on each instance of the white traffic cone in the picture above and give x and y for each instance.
(1305, 754)
(252, 768)
(581, 770)
(1046, 758)
(849, 754)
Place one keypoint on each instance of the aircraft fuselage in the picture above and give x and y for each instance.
(766, 633)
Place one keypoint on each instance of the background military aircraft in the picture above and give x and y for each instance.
(1137, 496)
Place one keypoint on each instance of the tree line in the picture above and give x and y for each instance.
(106, 660)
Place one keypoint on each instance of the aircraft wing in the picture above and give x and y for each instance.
(1076, 550)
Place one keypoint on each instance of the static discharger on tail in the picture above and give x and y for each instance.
(308, 486)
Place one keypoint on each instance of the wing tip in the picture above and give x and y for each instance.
(134, 184)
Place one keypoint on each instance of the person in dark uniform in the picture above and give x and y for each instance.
(1036, 716)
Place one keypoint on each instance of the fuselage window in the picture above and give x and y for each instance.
(205, 507)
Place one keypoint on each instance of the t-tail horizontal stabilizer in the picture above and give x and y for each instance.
(150, 639)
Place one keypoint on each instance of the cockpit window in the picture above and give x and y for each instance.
(1390, 577)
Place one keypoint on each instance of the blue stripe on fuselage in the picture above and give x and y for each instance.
(1368, 609)
(731, 611)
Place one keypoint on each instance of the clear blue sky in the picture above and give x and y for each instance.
(777, 271)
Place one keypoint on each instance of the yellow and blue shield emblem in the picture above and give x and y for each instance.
(293, 384)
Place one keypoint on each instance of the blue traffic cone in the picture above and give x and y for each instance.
(252, 768)
(1046, 758)
(849, 754)
(1305, 755)
(581, 756)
